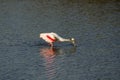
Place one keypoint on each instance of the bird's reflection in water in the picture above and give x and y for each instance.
(49, 55)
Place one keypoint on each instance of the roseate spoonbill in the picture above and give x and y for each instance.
(53, 37)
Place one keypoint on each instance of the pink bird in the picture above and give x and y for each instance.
(53, 37)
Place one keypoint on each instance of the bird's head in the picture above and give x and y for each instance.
(72, 40)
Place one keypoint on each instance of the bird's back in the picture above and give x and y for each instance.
(48, 37)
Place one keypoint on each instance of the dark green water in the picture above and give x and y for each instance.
(95, 24)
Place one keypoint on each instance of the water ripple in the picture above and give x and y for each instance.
(52, 65)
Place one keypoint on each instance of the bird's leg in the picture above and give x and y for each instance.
(51, 44)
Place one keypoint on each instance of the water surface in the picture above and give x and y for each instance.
(93, 23)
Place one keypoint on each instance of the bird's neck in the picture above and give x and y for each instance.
(59, 38)
(65, 40)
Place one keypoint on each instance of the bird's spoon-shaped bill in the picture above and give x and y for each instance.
(73, 41)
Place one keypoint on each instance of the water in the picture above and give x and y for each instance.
(94, 24)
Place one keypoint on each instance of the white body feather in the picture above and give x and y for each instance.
(44, 37)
